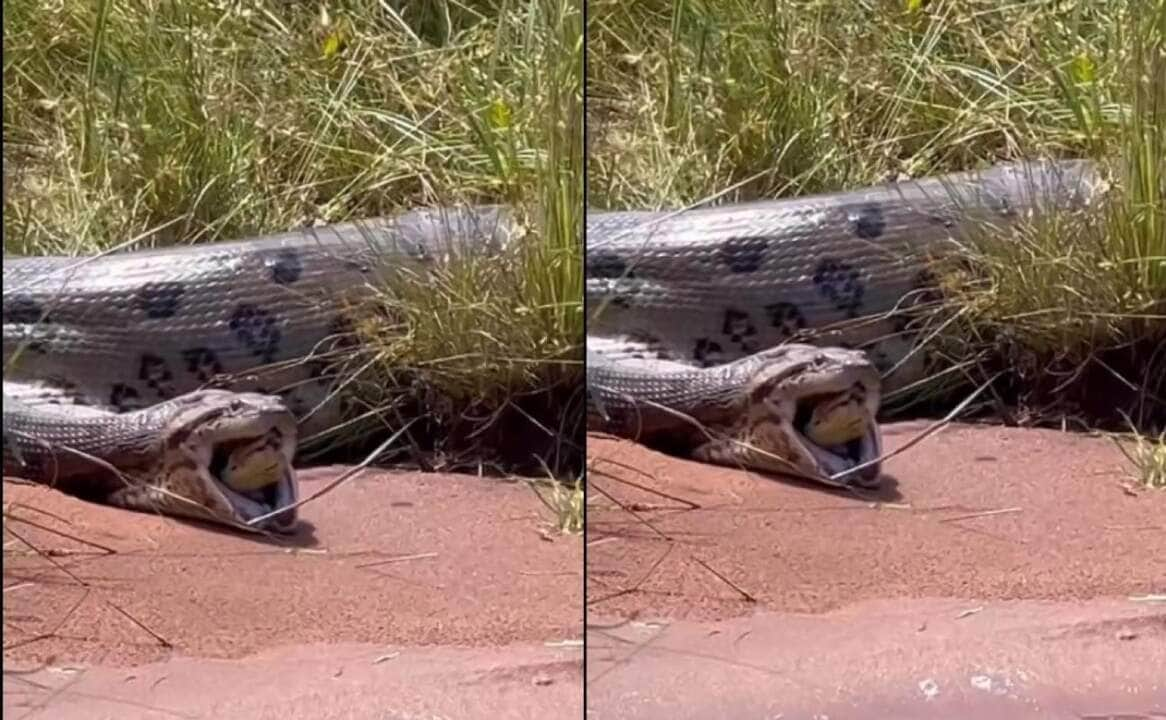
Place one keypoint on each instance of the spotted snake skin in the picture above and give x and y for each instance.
(680, 301)
(108, 342)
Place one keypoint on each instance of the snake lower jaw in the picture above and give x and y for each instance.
(249, 506)
(779, 447)
(854, 462)
(851, 463)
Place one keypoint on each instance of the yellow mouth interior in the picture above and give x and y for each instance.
(250, 465)
(836, 422)
(249, 470)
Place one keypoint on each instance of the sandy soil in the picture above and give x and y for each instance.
(461, 576)
(1035, 534)
(895, 659)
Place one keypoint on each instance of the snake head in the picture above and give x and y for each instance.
(809, 412)
(227, 456)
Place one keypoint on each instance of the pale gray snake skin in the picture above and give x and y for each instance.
(681, 302)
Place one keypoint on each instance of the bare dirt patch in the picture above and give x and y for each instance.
(1030, 659)
(395, 562)
(1001, 573)
(973, 512)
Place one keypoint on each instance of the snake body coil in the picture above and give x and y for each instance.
(686, 305)
(98, 350)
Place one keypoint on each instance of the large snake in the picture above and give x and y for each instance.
(179, 380)
(170, 380)
(762, 334)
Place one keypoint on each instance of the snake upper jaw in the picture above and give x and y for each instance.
(211, 445)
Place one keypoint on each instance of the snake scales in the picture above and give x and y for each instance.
(725, 332)
(108, 359)
(179, 380)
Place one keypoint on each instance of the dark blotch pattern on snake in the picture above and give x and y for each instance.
(707, 352)
(159, 300)
(69, 393)
(25, 311)
(606, 264)
(155, 372)
(786, 317)
(870, 222)
(622, 300)
(256, 330)
(648, 346)
(739, 326)
(743, 254)
(286, 267)
(841, 284)
(203, 363)
(124, 398)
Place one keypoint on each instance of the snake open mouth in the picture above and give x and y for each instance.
(253, 475)
(841, 435)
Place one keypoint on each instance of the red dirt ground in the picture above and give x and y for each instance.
(1038, 531)
(894, 659)
(442, 569)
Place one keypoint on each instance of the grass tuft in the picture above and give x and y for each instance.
(1147, 456)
